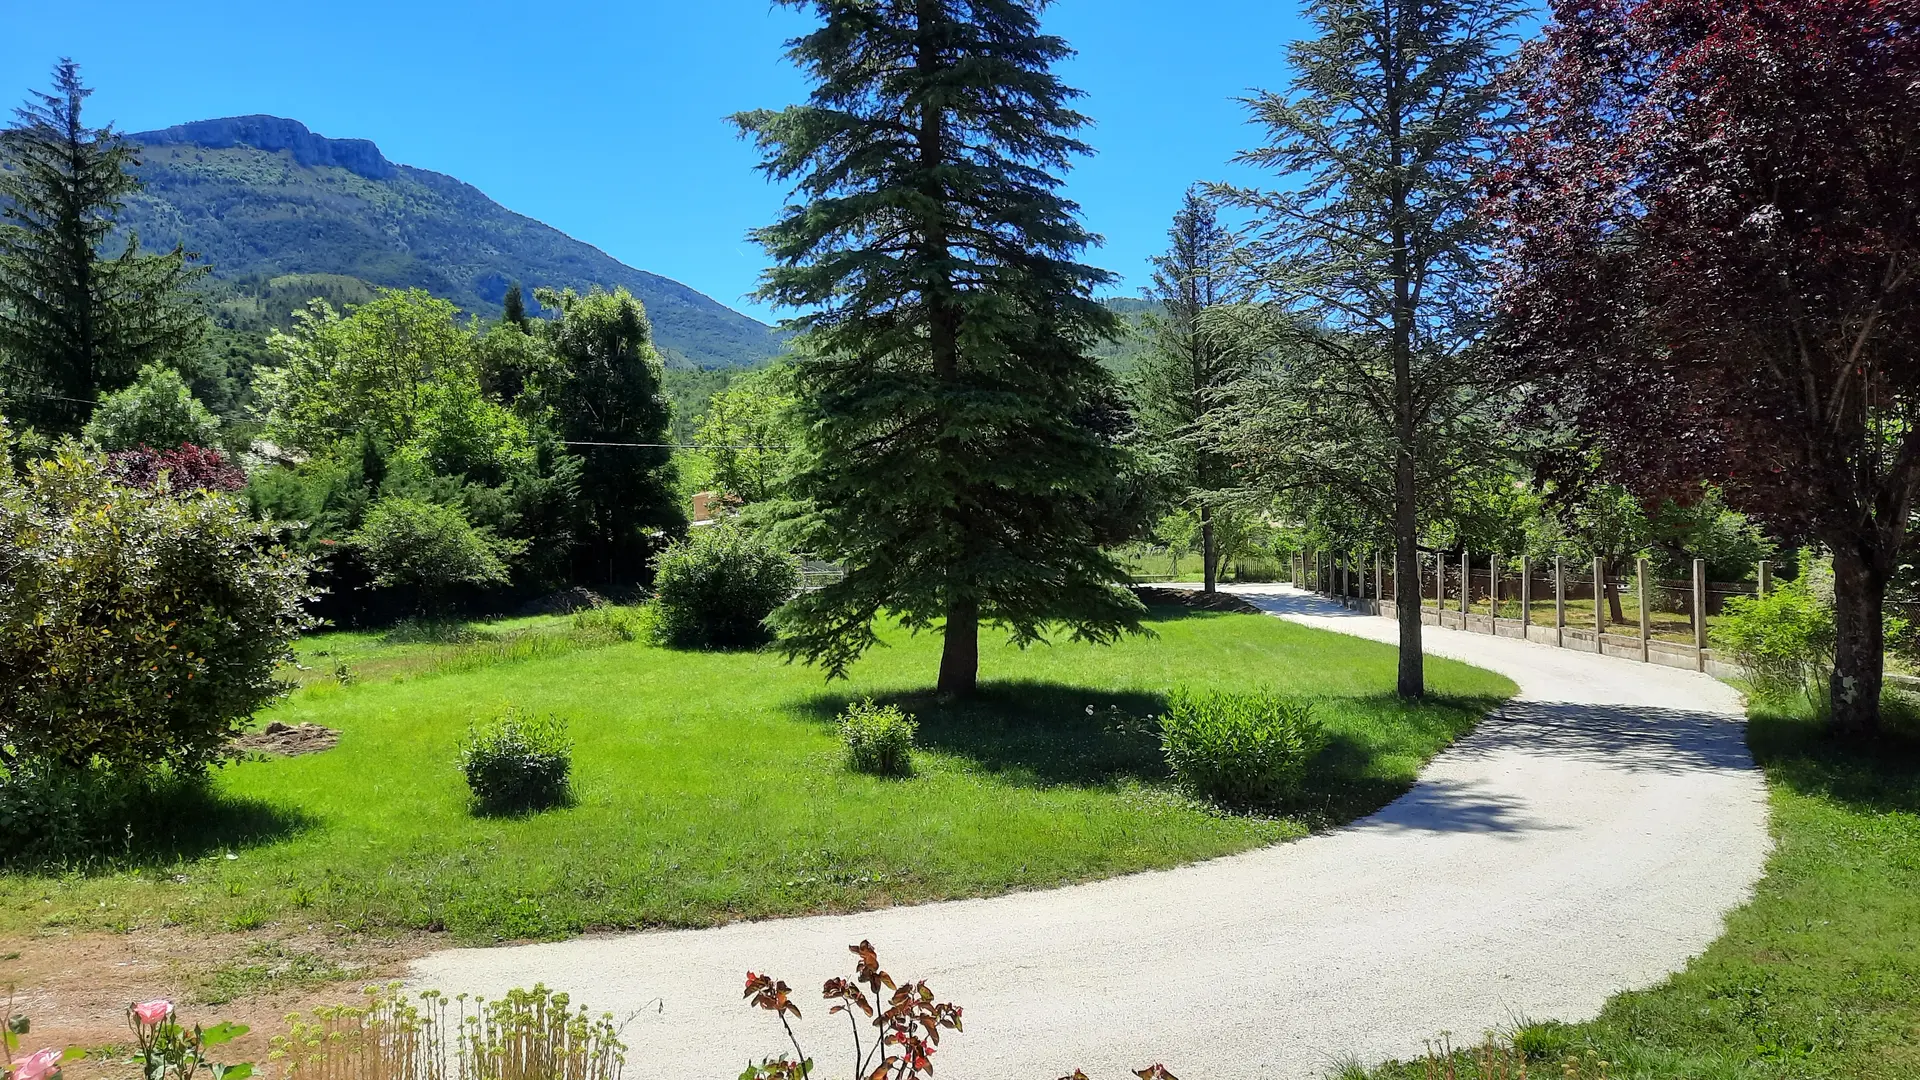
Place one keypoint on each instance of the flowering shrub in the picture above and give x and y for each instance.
(517, 762)
(181, 471)
(39, 1065)
(168, 1051)
(1241, 750)
(879, 738)
(137, 630)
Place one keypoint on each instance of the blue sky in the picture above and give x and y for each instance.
(605, 120)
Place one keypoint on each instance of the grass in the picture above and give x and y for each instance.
(1819, 976)
(711, 786)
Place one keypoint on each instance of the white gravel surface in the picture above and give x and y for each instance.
(1587, 839)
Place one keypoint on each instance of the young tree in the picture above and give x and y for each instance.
(1711, 268)
(1179, 382)
(76, 322)
(513, 309)
(1371, 266)
(748, 434)
(607, 391)
(956, 455)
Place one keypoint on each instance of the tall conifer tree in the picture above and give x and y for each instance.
(75, 321)
(951, 460)
(1373, 264)
(1180, 381)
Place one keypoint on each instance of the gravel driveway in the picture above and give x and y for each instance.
(1585, 840)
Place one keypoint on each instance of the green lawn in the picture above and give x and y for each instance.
(1818, 977)
(710, 786)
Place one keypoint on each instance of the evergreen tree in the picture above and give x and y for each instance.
(1373, 265)
(954, 458)
(514, 307)
(606, 390)
(76, 322)
(1179, 382)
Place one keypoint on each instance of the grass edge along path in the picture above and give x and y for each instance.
(710, 788)
(1816, 978)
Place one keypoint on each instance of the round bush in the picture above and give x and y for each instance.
(715, 589)
(517, 762)
(879, 739)
(1240, 750)
(138, 629)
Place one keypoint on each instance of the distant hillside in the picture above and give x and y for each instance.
(1123, 351)
(273, 206)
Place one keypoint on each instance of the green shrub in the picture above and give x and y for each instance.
(158, 411)
(879, 739)
(411, 543)
(1784, 640)
(138, 630)
(517, 762)
(1240, 750)
(716, 588)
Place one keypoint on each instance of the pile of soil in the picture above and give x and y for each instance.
(1194, 598)
(565, 602)
(287, 740)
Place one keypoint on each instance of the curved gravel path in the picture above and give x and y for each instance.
(1585, 840)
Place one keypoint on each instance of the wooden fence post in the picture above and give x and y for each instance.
(1599, 601)
(1493, 590)
(1560, 601)
(1646, 620)
(1466, 585)
(1766, 577)
(1700, 614)
(1526, 594)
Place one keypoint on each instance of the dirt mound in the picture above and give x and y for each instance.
(565, 602)
(287, 740)
(1194, 598)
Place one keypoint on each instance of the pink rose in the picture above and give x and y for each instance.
(37, 1066)
(152, 1012)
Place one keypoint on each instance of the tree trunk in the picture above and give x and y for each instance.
(1208, 555)
(960, 655)
(1859, 658)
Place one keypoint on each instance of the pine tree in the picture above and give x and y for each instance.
(514, 308)
(1180, 380)
(1373, 264)
(76, 322)
(954, 457)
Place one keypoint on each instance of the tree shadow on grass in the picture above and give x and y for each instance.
(1878, 775)
(1035, 733)
(153, 829)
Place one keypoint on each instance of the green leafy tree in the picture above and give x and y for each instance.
(158, 410)
(371, 372)
(1372, 265)
(748, 434)
(75, 320)
(1179, 382)
(954, 458)
(607, 390)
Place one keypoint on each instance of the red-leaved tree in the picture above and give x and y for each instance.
(1712, 267)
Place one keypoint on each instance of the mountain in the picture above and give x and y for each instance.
(271, 204)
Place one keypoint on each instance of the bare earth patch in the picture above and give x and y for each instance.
(288, 740)
(76, 988)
